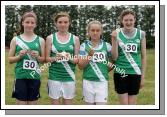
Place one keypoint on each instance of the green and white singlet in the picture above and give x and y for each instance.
(65, 70)
(27, 67)
(97, 69)
(129, 52)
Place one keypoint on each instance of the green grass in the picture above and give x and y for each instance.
(145, 97)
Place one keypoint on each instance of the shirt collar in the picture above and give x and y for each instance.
(90, 43)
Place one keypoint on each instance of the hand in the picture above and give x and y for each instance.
(59, 56)
(142, 81)
(91, 52)
(110, 67)
(51, 59)
(114, 35)
(75, 60)
(67, 55)
(22, 53)
(34, 54)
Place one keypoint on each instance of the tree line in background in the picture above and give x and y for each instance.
(80, 15)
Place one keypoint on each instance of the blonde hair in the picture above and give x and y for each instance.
(89, 25)
(61, 14)
(126, 12)
(94, 22)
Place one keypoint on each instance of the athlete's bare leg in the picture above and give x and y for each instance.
(18, 102)
(132, 99)
(123, 99)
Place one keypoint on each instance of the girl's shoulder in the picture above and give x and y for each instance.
(50, 36)
(142, 33)
(76, 38)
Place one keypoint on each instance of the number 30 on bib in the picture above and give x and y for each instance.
(131, 47)
(99, 57)
(29, 64)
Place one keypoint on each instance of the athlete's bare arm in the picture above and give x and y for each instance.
(11, 57)
(114, 50)
(143, 57)
(41, 58)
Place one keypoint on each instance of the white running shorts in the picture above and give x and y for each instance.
(57, 89)
(95, 91)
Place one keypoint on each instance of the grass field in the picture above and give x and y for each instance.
(145, 97)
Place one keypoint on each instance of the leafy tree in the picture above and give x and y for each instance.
(11, 23)
(81, 15)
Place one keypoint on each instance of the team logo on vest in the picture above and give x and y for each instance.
(71, 47)
(104, 52)
(36, 44)
(138, 40)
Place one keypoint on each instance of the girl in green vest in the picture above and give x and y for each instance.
(27, 50)
(94, 54)
(129, 54)
(62, 48)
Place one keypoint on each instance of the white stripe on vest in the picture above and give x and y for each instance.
(65, 64)
(25, 47)
(97, 71)
(129, 57)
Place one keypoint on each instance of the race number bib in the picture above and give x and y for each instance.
(131, 47)
(63, 59)
(29, 64)
(99, 57)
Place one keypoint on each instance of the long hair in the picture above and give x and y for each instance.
(24, 16)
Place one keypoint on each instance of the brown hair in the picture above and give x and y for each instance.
(61, 14)
(126, 12)
(24, 16)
